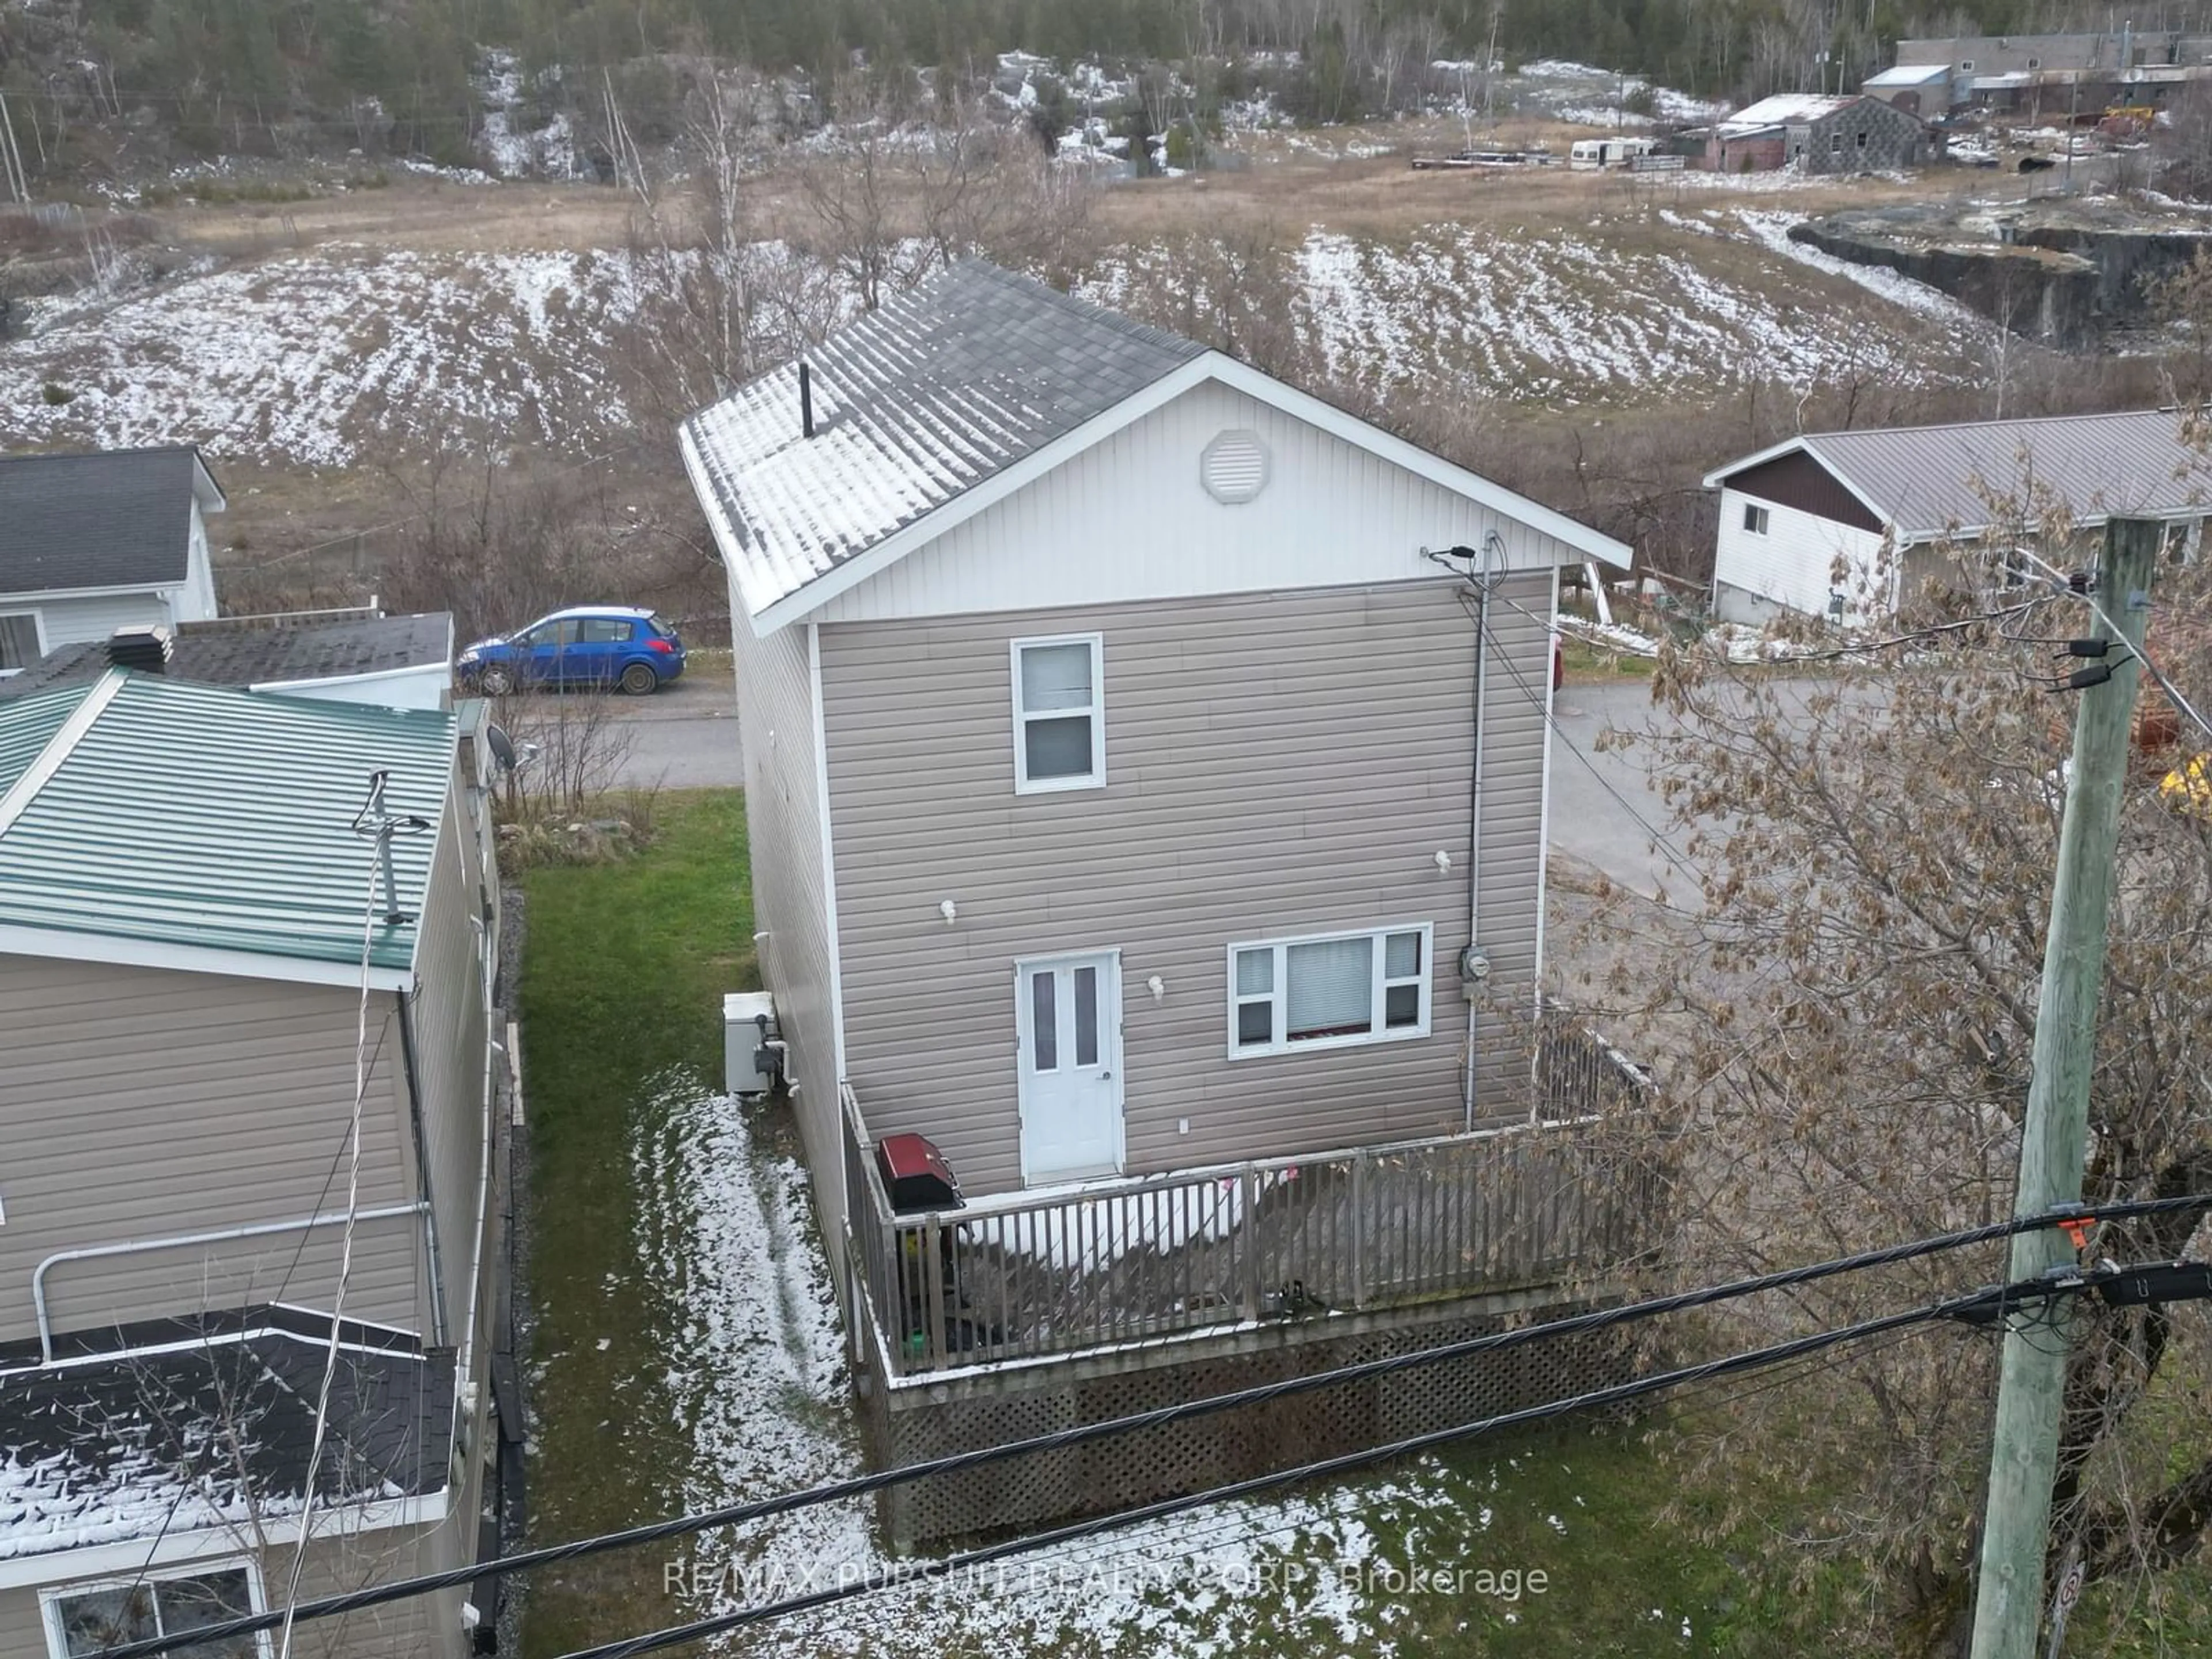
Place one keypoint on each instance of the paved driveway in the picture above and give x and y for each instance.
(1606, 809)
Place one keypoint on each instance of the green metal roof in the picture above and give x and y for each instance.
(208, 817)
(27, 726)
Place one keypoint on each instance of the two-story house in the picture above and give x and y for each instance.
(247, 948)
(1145, 764)
(92, 543)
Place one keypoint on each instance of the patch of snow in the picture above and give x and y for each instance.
(754, 1376)
(1614, 636)
(1771, 229)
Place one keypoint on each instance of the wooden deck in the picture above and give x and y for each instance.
(1112, 1263)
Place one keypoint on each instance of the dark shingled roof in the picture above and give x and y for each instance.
(190, 1423)
(115, 518)
(914, 403)
(249, 651)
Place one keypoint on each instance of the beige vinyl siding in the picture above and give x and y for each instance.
(791, 906)
(425, 1627)
(1509, 908)
(448, 1014)
(1277, 764)
(139, 1103)
(1127, 519)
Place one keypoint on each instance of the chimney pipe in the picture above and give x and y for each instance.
(144, 647)
(805, 401)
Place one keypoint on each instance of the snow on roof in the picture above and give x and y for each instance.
(1909, 75)
(1783, 109)
(914, 403)
(216, 1430)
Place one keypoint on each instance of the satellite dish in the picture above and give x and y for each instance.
(502, 747)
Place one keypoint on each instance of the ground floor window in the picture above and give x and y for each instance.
(90, 1618)
(1328, 989)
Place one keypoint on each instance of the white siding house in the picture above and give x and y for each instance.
(92, 543)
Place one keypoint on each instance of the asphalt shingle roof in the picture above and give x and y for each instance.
(241, 652)
(113, 518)
(1931, 480)
(200, 816)
(914, 404)
(210, 1423)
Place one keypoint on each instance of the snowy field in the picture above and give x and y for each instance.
(755, 1375)
(326, 357)
(344, 354)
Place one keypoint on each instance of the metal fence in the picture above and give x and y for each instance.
(1288, 1238)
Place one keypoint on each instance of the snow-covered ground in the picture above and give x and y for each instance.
(324, 357)
(1605, 312)
(754, 1372)
(344, 354)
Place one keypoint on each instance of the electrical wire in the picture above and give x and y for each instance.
(1658, 836)
(2142, 654)
(380, 841)
(948, 1566)
(861, 1486)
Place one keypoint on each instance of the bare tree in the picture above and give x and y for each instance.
(1853, 1014)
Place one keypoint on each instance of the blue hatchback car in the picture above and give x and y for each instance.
(590, 645)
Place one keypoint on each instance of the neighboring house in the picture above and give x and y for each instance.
(2049, 76)
(1919, 89)
(1146, 773)
(195, 923)
(92, 543)
(1816, 133)
(363, 656)
(1846, 524)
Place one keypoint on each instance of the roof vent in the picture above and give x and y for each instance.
(1234, 468)
(144, 647)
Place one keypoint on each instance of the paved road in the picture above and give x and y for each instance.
(1605, 809)
(683, 737)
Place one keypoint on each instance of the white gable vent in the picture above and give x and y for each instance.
(1234, 468)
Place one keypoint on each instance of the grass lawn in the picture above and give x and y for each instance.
(668, 1226)
(623, 970)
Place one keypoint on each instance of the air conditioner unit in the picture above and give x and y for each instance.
(753, 1051)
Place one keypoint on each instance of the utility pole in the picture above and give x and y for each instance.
(2054, 1141)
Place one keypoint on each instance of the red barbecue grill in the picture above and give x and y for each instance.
(915, 1174)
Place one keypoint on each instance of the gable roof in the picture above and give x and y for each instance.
(245, 651)
(1930, 481)
(914, 403)
(945, 400)
(117, 517)
(1783, 109)
(197, 827)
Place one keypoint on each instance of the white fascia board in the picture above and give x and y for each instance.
(126, 952)
(1212, 366)
(132, 1556)
(1445, 475)
(205, 490)
(44, 594)
(1718, 478)
(368, 677)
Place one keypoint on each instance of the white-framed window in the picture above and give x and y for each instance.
(1060, 712)
(23, 639)
(1755, 518)
(1329, 990)
(82, 1619)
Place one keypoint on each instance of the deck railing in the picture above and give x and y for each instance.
(1110, 1263)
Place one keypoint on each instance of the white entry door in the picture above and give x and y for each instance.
(1069, 1011)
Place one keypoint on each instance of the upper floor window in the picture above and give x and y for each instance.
(1329, 990)
(20, 640)
(1754, 517)
(1060, 712)
(90, 1618)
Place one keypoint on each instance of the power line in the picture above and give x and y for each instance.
(1753, 1360)
(862, 1486)
(2182, 705)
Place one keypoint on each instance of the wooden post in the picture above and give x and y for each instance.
(933, 1279)
(1248, 1181)
(2054, 1141)
(1359, 1161)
